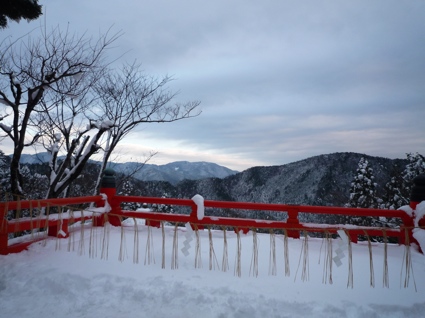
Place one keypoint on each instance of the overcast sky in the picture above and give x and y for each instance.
(278, 81)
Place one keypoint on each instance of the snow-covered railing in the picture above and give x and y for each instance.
(410, 218)
(41, 219)
(290, 224)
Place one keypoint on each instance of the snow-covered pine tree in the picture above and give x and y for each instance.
(398, 189)
(392, 200)
(393, 197)
(166, 208)
(415, 167)
(363, 187)
(363, 194)
(128, 188)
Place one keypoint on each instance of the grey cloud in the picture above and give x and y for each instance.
(278, 80)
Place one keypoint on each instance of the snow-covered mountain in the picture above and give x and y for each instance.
(35, 158)
(173, 172)
(319, 180)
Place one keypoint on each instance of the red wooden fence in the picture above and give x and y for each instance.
(57, 225)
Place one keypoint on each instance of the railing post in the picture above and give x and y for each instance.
(109, 188)
(59, 229)
(194, 217)
(416, 196)
(294, 222)
(153, 223)
(3, 237)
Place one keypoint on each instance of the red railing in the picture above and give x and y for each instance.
(57, 225)
(291, 224)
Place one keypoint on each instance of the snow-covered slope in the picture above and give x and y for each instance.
(175, 172)
(320, 180)
(49, 281)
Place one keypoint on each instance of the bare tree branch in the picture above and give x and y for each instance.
(35, 74)
(58, 91)
(129, 98)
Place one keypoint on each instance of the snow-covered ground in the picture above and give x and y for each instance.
(50, 281)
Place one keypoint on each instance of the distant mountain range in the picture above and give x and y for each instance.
(173, 172)
(320, 180)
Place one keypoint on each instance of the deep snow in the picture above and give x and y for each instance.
(50, 281)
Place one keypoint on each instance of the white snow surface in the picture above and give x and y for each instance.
(419, 212)
(407, 209)
(107, 124)
(50, 281)
(418, 233)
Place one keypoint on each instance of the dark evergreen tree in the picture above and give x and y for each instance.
(363, 187)
(393, 197)
(35, 181)
(128, 188)
(4, 175)
(363, 195)
(397, 190)
(16, 10)
(166, 208)
(415, 167)
(392, 200)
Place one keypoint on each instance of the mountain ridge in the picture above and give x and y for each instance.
(318, 180)
(176, 171)
(172, 172)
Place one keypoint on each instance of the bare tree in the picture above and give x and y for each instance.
(36, 75)
(129, 98)
(113, 104)
(130, 171)
(57, 91)
(67, 131)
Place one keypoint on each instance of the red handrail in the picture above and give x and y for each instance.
(291, 224)
(114, 215)
(28, 204)
(55, 226)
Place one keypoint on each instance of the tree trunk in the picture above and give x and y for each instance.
(16, 180)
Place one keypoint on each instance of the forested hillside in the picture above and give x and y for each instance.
(319, 180)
